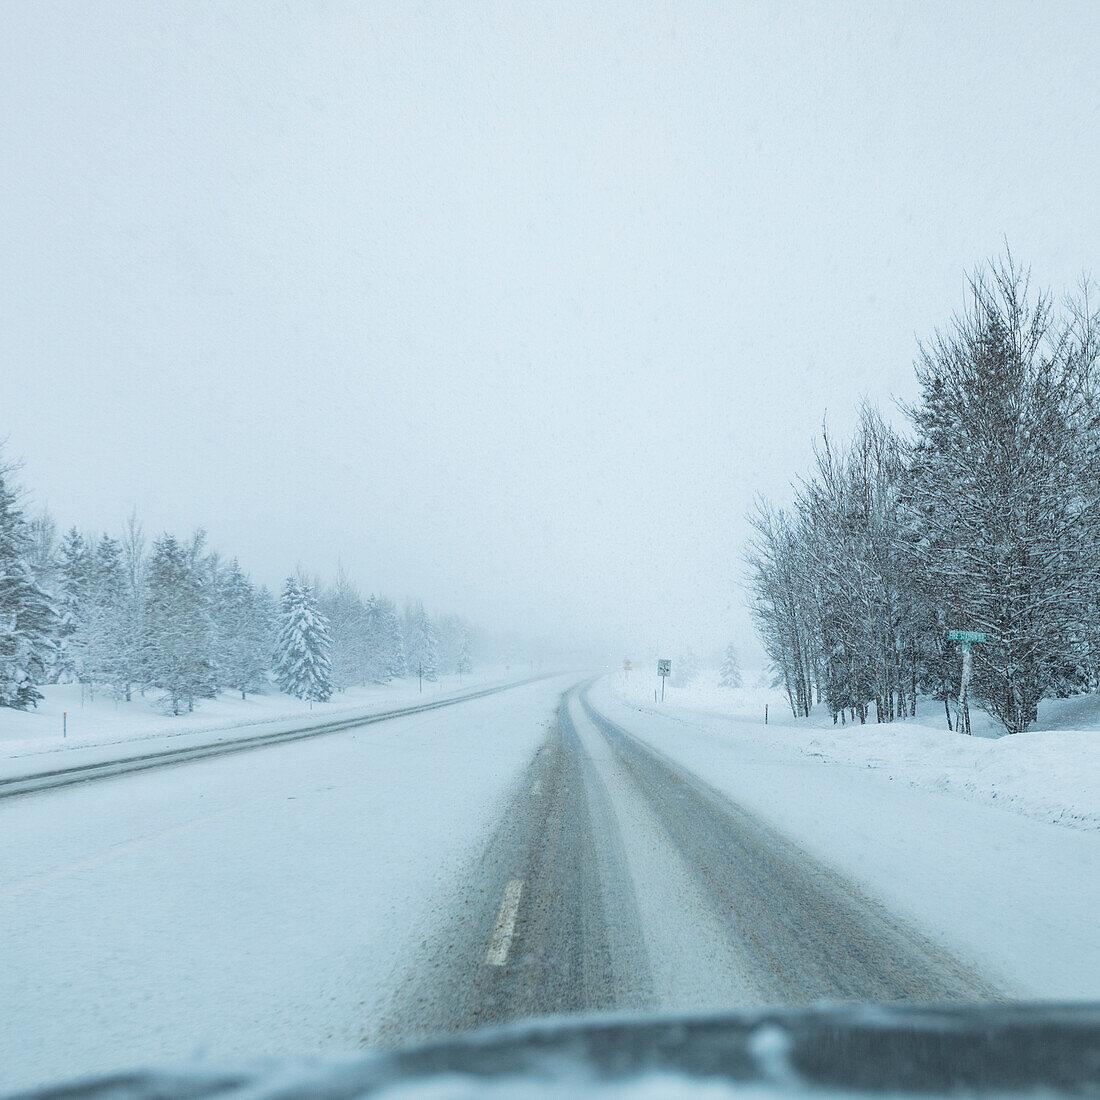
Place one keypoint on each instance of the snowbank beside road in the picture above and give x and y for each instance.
(1051, 774)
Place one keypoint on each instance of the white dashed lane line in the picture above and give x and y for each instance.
(505, 926)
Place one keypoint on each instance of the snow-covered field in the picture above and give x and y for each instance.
(1015, 895)
(248, 905)
(101, 720)
(1051, 773)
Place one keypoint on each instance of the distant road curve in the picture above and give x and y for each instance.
(38, 782)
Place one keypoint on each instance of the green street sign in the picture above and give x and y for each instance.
(965, 636)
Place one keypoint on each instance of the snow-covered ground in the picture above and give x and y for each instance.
(1017, 896)
(102, 721)
(1051, 773)
(246, 905)
(266, 903)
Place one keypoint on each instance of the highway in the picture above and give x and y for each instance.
(617, 880)
(509, 855)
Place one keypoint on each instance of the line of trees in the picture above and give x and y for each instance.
(120, 617)
(984, 516)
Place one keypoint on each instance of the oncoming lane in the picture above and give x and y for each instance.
(249, 904)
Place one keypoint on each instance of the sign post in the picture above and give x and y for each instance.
(664, 670)
(966, 638)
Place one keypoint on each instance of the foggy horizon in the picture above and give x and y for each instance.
(512, 313)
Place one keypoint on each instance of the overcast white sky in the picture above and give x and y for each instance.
(511, 306)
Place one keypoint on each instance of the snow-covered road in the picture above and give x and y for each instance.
(1017, 896)
(243, 905)
(488, 861)
(619, 881)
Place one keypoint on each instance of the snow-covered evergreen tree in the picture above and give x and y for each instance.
(42, 554)
(685, 668)
(302, 665)
(393, 640)
(421, 644)
(431, 659)
(375, 666)
(73, 571)
(730, 675)
(179, 635)
(449, 631)
(243, 632)
(28, 620)
(102, 634)
(385, 648)
(465, 659)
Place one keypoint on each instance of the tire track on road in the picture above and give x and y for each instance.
(549, 921)
(545, 922)
(806, 933)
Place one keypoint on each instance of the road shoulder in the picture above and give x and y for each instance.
(995, 887)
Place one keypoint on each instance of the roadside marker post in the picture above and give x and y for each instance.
(966, 638)
(64, 723)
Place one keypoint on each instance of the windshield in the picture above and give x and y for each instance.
(511, 514)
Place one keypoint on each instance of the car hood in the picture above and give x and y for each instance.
(986, 1050)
